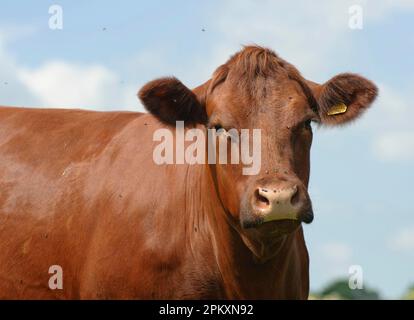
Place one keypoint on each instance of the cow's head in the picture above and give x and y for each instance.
(256, 89)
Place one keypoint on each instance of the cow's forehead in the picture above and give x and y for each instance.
(270, 95)
(257, 76)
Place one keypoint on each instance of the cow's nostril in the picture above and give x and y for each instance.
(260, 200)
(295, 197)
(281, 202)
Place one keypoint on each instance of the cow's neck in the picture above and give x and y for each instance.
(249, 269)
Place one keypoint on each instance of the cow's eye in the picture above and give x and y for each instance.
(308, 124)
(218, 127)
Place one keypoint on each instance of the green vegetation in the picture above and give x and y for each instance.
(409, 295)
(339, 290)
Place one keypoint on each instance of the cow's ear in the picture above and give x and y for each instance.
(344, 98)
(170, 101)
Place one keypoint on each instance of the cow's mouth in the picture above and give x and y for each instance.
(272, 229)
(257, 220)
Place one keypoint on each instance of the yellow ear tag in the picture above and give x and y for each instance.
(337, 109)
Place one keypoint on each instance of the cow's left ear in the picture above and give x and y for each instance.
(170, 101)
(344, 98)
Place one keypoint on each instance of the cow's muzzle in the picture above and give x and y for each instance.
(272, 203)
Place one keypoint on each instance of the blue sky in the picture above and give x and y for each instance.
(361, 174)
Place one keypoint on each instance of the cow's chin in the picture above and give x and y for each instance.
(273, 229)
(266, 239)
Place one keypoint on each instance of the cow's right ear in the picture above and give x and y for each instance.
(169, 100)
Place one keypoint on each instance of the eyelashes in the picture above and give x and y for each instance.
(218, 127)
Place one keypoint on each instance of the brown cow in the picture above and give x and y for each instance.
(80, 190)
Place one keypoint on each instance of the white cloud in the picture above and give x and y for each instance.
(334, 258)
(390, 127)
(395, 146)
(12, 32)
(379, 9)
(61, 84)
(12, 91)
(403, 240)
(389, 111)
(337, 253)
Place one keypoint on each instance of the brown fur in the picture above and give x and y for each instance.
(80, 189)
(253, 62)
(171, 101)
(356, 92)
